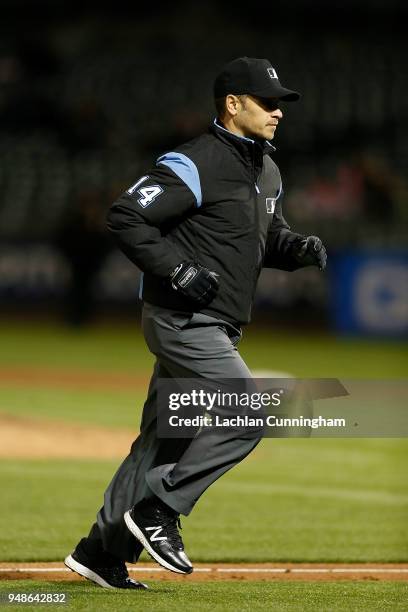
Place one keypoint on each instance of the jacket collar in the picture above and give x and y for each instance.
(248, 147)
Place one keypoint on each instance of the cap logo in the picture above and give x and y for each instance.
(272, 73)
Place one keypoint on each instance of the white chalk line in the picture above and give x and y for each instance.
(236, 570)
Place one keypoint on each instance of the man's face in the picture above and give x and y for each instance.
(257, 117)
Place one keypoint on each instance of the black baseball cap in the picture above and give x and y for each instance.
(253, 76)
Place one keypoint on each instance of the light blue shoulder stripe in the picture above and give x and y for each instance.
(186, 170)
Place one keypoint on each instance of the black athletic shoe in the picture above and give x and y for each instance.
(155, 525)
(107, 571)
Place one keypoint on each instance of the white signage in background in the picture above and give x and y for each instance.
(35, 269)
(381, 296)
(40, 270)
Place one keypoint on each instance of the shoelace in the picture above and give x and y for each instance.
(171, 522)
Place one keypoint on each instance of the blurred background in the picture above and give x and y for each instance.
(92, 92)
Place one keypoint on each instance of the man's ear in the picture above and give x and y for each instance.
(232, 104)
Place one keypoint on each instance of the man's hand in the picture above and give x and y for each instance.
(197, 283)
(310, 251)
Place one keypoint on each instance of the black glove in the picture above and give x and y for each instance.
(197, 283)
(310, 251)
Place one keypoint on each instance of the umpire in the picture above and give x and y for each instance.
(201, 224)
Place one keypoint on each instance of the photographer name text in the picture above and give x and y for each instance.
(247, 421)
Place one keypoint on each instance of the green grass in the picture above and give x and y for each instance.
(320, 356)
(120, 409)
(297, 499)
(94, 348)
(219, 596)
(123, 349)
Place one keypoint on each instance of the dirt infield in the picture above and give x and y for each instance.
(31, 438)
(26, 438)
(204, 572)
(72, 378)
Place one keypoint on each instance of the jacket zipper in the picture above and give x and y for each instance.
(256, 233)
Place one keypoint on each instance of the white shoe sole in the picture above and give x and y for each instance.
(131, 525)
(86, 572)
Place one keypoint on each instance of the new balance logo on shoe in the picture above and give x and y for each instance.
(154, 537)
(155, 526)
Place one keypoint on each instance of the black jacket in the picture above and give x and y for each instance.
(215, 200)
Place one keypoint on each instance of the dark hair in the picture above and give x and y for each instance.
(220, 106)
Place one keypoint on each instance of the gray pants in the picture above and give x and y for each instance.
(177, 471)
